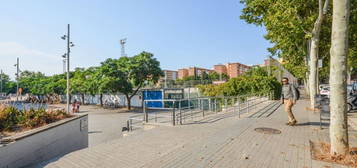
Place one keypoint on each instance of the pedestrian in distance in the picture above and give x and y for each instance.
(74, 106)
(78, 105)
(289, 97)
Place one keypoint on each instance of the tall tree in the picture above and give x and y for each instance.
(128, 74)
(314, 49)
(338, 72)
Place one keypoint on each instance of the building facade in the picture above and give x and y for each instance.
(231, 69)
(220, 69)
(182, 73)
(170, 75)
(192, 71)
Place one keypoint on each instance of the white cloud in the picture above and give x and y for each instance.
(30, 59)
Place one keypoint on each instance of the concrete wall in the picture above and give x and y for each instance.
(117, 99)
(45, 143)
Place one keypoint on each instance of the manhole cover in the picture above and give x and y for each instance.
(267, 130)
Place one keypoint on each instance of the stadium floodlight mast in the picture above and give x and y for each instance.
(122, 43)
(66, 57)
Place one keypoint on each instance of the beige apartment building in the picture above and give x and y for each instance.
(170, 75)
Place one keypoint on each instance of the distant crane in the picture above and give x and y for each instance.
(122, 43)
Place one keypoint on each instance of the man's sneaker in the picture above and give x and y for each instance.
(293, 123)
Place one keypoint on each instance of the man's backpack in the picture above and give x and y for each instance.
(297, 92)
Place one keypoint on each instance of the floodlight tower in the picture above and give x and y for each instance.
(122, 43)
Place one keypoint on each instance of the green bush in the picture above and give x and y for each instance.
(254, 82)
(12, 119)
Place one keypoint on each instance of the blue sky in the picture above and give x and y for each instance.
(180, 33)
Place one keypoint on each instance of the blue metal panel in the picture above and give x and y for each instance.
(153, 95)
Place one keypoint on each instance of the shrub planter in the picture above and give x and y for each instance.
(44, 143)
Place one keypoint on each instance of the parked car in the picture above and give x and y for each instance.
(349, 89)
(323, 86)
(325, 91)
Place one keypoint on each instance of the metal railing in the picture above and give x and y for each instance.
(181, 111)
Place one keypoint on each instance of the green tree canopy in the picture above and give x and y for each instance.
(128, 74)
(289, 24)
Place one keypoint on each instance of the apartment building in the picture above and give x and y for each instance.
(182, 73)
(232, 69)
(220, 69)
(170, 75)
(192, 71)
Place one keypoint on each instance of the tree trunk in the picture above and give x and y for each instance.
(314, 52)
(306, 86)
(101, 100)
(128, 100)
(349, 71)
(338, 69)
(82, 99)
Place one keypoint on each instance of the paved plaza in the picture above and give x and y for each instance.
(221, 141)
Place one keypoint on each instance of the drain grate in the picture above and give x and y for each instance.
(266, 130)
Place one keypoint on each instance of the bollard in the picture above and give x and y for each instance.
(131, 124)
(127, 124)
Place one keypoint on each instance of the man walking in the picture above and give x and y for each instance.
(289, 97)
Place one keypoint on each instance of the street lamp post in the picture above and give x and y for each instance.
(1, 82)
(17, 78)
(64, 62)
(69, 45)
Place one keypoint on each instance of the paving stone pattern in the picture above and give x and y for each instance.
(221, 141)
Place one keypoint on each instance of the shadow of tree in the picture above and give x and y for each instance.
(312, 124)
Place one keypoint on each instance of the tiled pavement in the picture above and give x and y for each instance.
(228, 141)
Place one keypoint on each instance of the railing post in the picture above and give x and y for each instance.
(215, 105)
(247, 104)
(189, 103)
(209, 104)
(203, 109)
(238, 101)
(233, 105)
(145, 113)
(225, 103)
(173, 113)
(180, 112)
